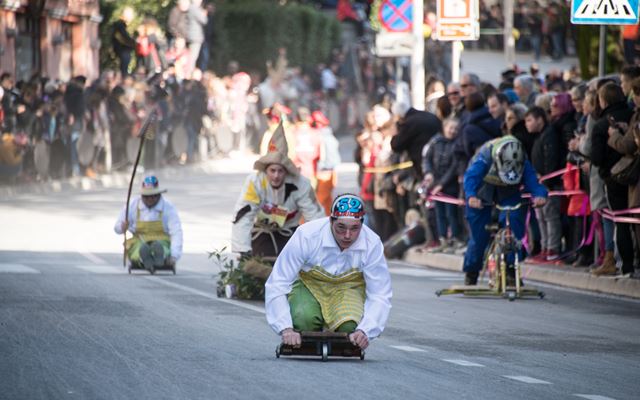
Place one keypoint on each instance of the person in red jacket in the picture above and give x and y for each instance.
(578, 210)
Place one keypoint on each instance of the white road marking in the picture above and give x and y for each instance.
(102, 269)
(93, 258)
(527, 379)
(593, 397)
(205, 294)
(409, 349)
(464, 363)
(17, 269)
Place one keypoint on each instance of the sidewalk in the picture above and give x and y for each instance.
(560, 275)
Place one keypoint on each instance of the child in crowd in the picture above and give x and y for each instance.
(440, 168)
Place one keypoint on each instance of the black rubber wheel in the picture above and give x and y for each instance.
(278, 351)
(541, 295)
(129, 270)
(174, 270)
(511, 296)
(438, 293)
(325, 352)
(362, 355)
(152, 271)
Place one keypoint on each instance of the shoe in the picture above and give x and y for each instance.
(608, 267)
(146, 258)
(471, 278)
(457, 244)
(157, 252)
(90, 173)
(540, 257)
(441, 246)
(552, 255)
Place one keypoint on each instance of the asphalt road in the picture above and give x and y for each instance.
(74, 324)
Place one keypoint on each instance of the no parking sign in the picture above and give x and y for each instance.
(396, 15)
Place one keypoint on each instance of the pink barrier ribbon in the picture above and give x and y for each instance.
(613, 216)
(443, 198)
(557, 173)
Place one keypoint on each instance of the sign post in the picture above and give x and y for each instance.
(402, 36)
(417, 58)
(599, 12)
(457, 20)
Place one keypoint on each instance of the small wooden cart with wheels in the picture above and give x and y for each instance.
(322, 344)
(138, 266)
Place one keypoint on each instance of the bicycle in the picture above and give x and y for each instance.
(504, 276)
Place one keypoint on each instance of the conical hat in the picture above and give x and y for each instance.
(277, 153)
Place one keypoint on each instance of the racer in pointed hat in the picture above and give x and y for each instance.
(273, 200)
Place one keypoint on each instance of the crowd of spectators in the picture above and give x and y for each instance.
(574, 132)
(54, 129)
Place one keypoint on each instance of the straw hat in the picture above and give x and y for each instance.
(151, 186)
(277, 153)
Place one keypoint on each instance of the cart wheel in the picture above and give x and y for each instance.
(129, 270)
(362, 354)
(325, 351)
(438, 293)
(511, 296)
(541, 295)
(174, 270)
(278, 351)
(152, 271)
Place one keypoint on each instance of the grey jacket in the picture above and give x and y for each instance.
(196, 21)
(596, 184)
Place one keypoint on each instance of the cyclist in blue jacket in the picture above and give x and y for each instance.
(498, 174)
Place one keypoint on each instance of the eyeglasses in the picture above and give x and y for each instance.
(453, 94)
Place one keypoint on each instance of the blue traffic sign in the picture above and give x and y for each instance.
(605, 12)
(396, 15)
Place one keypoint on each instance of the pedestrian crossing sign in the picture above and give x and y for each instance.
(604, 12)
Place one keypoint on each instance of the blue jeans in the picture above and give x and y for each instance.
(608, 229)
(556, 42)
(447, 217)
(478, 219)
(536, 45)
(125, 58)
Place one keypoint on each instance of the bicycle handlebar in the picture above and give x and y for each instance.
(509, 208)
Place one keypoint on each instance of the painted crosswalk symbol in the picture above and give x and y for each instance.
(618, 12)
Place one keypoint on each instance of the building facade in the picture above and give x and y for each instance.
(57, 39)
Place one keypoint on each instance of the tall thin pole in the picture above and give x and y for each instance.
(602, 50)
(417, 57)
(456, 48)
(509, 40)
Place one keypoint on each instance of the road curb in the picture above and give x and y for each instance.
(564, 276)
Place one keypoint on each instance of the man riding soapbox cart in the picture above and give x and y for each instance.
(501, 264)
(246, 279)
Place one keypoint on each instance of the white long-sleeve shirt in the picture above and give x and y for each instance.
(170, 221)
(313, 244)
